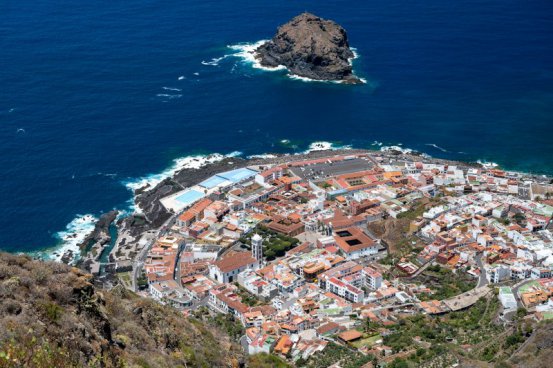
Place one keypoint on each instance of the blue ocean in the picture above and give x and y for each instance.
(96, 96)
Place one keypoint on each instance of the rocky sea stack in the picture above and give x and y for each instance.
(311, 47)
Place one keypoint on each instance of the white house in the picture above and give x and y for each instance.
(371, 278)
(227, 269)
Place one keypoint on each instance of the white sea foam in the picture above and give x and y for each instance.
(188, 162)
(285, 141)
(246, 51)
(215, 61)
(377, 143)
(355, 54)
(234, 154)
(319, 146)
(196, 73)
(396, 148)
(74, 234)
(172, 89)
(109, 175)
(487, 164)
(262, 156)
(169, 96)
(309, 80)
(437, 147)
(181, 77)
(305, 79)
(324, 146)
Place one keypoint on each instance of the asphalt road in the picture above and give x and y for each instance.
(515, 291)
(482, 281)
(139, 260)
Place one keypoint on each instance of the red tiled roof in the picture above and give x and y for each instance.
(347, 243)
(235, 261)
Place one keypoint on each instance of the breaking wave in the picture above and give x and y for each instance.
(246, 52)
(324, 146)
(69, 239)
(396, 148)
(169, 96)
(262, 156)
(188, 162)
(437, 147)
(487, 164)
(214, 61)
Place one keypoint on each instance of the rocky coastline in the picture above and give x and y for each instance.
(310, 47)
(136, 231)
(95, 243)
(152, 215)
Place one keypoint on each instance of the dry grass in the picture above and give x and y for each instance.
(52, 316)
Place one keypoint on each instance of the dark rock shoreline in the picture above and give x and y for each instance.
(101, 229)
(93, 245)
(310, 47)
(153, 215)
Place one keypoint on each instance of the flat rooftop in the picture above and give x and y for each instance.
(466, 299)
(185, 198)
(181, 200)
(213, 182)
(325, 170)
(238, 175)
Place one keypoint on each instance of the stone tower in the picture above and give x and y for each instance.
(257, 248)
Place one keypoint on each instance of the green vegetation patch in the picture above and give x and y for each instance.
(366, 341)
(445, 283)
(264, 360)
(334, 353)
(274, 244)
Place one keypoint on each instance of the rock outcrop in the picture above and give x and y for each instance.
(311, 47)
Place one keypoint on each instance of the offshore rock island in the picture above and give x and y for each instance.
(310, 47)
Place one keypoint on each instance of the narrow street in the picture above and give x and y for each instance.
(482, 281)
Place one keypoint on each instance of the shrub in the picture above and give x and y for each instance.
(52, 311)
(513, 339)
(398, 363)
(11, 307)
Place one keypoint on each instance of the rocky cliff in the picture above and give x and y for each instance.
(51, 315)
(311, 47)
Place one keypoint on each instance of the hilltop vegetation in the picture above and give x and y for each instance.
(51, 315)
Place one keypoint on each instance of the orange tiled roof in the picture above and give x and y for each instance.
(234, 261)
(350, 335)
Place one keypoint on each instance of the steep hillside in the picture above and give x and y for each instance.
(52, 316)
(537, 351)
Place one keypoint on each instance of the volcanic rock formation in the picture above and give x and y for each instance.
(311, 47)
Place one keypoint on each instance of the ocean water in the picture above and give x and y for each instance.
(98, 96)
